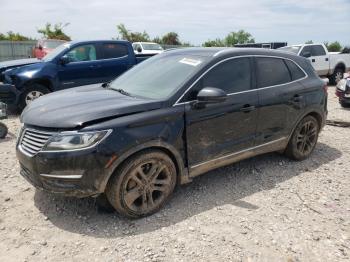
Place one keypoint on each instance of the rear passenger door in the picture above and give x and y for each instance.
(280, 97)
(115, 61)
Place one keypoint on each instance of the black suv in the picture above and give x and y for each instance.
(169, 119)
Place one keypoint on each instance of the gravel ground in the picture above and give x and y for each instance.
(267, 208)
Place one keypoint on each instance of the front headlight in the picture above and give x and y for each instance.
(75, 140)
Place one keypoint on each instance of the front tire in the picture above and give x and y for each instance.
(143, 184)
(304, 139)
(345, 105)
(31, 93)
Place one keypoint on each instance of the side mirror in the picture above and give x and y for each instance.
(307, 54)
(211, 95)
(139, 49)
(64, 60)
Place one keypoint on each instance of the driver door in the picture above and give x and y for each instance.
(225, 127)
(82, 68)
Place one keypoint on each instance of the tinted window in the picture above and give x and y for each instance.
(306, 49)
(231, 76)
(114, 50)
(317, 50)
(271, 71)
(82, 53)
(295, 71)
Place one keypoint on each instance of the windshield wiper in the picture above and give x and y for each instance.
(122, 91)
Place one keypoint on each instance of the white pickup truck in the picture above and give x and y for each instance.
(330, 64)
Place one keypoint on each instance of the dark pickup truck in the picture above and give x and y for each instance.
(69, 65)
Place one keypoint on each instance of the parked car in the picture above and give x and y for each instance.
(147, 48)
(169, 119)
(343, 91)
(329, 64)
(45, 46)
(69, 65)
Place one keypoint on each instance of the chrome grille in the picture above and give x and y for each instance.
(32, 141)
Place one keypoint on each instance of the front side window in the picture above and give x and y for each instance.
(232, 76)
(306, 51)
(114, 51)
(271, 72)
(82, 53)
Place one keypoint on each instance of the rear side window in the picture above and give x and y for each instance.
(114, 50)
(231, 76)
(295, 71)
(317, 50)
(271, 72)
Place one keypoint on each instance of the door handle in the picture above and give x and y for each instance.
(313, 60)
(247, 108)
(326, 59)
(297, 98)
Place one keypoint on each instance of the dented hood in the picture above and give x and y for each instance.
(75, 107)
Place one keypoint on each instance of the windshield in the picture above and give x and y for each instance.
(52, 44)
(160, 76)
(55, 52)
(152, 47)
(292, 49)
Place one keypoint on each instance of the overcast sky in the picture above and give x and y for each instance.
(195, 21)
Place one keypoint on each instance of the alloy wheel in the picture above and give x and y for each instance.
(338, 76)
(147, 186)
(32, 95)
(307, 137)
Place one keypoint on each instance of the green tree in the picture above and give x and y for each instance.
(333, 47)
(309, 42)
(233, 38)
(125, 34)
(171, 38)
(212, 43)
(11, 36)
(240, 37)
(55, 32)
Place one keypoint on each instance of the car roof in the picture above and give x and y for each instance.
(230, 51)
(96, 41)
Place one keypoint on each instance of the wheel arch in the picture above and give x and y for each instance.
(171, 151)
(42, 81)
(340, 65)
(314, 113)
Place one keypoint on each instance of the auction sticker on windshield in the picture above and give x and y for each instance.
(190, 61)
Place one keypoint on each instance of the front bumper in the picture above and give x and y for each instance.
(9, 95)
(77, 174)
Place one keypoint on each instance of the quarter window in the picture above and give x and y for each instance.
(271, 72)
(295, 71)
(111, 50)
(82, 53)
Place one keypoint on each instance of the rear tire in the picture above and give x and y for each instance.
(143, 184)
(3, 130)
(31, 93)
(337, 75)
(304, 139)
